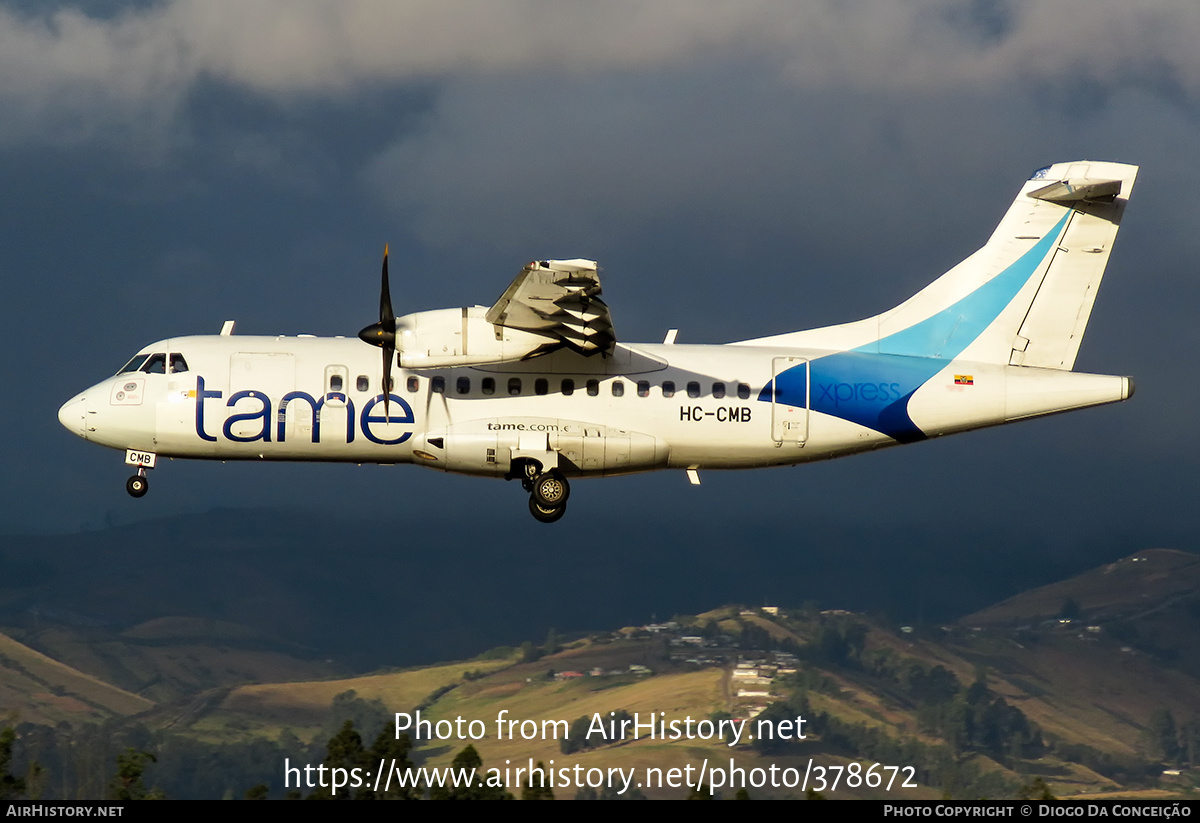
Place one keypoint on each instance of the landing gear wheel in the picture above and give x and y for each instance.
(546, 514)
(551, 490)
(137, 485)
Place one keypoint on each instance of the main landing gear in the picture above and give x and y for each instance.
(548, 492)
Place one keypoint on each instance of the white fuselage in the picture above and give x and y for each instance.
(646, 407)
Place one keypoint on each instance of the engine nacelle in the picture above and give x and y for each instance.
(460, 337)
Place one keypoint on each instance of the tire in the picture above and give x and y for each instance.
(546, 515)
(551, 489)
(137, 486)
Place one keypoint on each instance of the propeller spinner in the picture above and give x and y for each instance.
(383, 333)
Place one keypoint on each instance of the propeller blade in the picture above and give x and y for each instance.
(383, 333)
(386, 316)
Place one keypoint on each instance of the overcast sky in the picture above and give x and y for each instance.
(738, 169)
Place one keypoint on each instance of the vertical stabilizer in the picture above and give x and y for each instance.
(1022, 299)
(1096, 194)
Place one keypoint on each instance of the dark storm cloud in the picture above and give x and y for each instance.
(738, 170)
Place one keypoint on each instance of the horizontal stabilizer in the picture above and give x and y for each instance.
(1079, 190)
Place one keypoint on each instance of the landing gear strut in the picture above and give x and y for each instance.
(530, 469)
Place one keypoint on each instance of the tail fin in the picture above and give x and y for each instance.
(1053, 327)
(1024, 298)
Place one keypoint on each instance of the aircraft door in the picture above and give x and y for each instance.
(174, 413)
(790, 394)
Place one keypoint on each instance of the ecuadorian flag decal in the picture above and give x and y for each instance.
(964, 380)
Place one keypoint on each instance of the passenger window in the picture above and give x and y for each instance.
(718, 390)
(618, 388)
(693, 389)
(514, 386)
(413, 384)
(337, 378)
(643, 388)
(541, 386)
(463, 385)
(593, 387)
(668, 388)
(743, 391)
(363, 383)
(488, 384)
(155, 364)
(438, 384)
(178, 364)
(568, 387)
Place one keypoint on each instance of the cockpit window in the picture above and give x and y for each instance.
(155, 364)
(134, 364)
(178, 364)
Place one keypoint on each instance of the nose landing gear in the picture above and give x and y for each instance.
(137, 485)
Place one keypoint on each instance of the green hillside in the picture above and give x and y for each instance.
(1085, 685)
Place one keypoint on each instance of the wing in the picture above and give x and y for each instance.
(558, 299)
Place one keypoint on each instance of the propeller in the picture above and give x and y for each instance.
(383, 333)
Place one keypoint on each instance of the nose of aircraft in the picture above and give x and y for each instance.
(73, 416)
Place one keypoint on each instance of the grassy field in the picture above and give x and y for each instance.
(37, 689)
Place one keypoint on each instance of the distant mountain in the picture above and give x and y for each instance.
(1086, 684)
(1148, 602)
(37, 689)
(418, 587)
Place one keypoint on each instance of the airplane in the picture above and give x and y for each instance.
(538, 388)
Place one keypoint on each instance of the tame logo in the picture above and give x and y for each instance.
(362, 422)
(853, 393)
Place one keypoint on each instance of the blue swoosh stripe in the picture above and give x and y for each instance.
(871, 385)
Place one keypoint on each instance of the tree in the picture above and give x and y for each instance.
(468, 763)
(394, 750)
(127, 783)
(10, 787)
(258, 792)
(1163, 737)
(344, 752)
(530, 653)
(770, 718)
(1037, 790)
(542, 790)
(576, 738)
